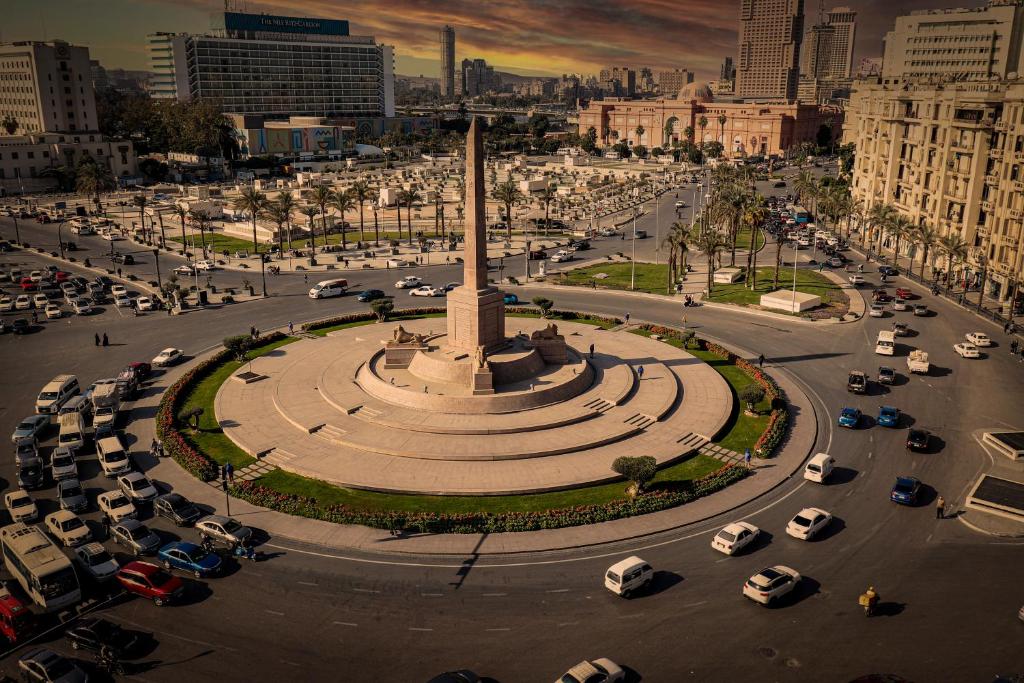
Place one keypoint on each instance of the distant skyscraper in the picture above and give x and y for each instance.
(728, 72)
(769, 48)
(671, 82)
(844, 21)
(446, 37)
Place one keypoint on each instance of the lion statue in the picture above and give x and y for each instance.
(403, 337)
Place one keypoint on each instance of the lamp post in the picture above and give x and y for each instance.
(796, 244)
(983, 262)
(632, 270)
(17, 232)
(159, 280)
(60, 242)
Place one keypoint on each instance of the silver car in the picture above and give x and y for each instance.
(63, 465)
(135, 536)
(71, 496)
(223, 529)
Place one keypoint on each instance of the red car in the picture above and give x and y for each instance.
(61, 276)
(904, 293)
(140, 370)
(152, 582)
(15, 619)
(27, 285)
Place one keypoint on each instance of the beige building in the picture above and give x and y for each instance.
(25, 158)
(47, 87)
(748, 129)
(446, 38)
(769, 48)
(956, 44)
(671, 82)
(827, 49)
(952, 157)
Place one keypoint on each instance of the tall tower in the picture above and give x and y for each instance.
(446, 37)
(843, 21)
(769, 48)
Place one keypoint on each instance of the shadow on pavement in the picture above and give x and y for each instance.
(842, 475)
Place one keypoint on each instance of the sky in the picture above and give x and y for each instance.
(529, 37)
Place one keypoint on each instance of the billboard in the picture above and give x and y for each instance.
(270, 23)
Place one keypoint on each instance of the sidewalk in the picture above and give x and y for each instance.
(768, 475)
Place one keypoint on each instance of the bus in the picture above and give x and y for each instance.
(44, 572)
(800, 214)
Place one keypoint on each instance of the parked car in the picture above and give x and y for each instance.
(734, 537)
(223, 529)
(144, 303)
(905, 491)
(30, 428)
(118, 290)
(177, 508)
(122, 301)
(168, 356)
(918, 439)
(71, 495)
(808, 523)
(63, 464)
(137, 487)
(68, 528)
(21, 326)
(30, 473)
(53, 312)
(849, 417)
(94, 634)
(135, 536)
(189, 557)
(770, 584)
(82, 306)
(96, 561)
(151, 582)
(599, 670)
(20, 506)
(115, 506)
(41, 665)
(888, 416)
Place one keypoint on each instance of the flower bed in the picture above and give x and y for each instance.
(778, 421)
(174, 442)
(433, 310)
(471, 523)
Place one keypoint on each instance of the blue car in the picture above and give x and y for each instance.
(511, 299)
(905, 491)
(888, 416)
(850, 417)
(370, 295)
(189, 557)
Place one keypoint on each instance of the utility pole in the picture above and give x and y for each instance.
(159, 281)
(632, 270)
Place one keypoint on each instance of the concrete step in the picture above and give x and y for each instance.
(599, 405)
(329, 432)
(640, 421)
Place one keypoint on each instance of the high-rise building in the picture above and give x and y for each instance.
(446, 38)
(166, 52)
(47, 87)
(620, 79)
(728, 71)
(843, 21)
(956, 44)
(671, 82)
(868, 67)
(769, 49)
(278, 66)
(477, 78)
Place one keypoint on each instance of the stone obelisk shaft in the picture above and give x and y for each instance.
(475, 269)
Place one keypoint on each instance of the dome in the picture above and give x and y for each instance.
(699, 92)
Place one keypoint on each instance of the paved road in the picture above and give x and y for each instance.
(406, 621)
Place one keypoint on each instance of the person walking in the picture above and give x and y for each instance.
(940, 508)
(1014, 345)
(627, 317)
(97, 336)
(746, 458)
(291, 328)
(106, 525)
(252, 331)
(106, 342)
(760, 361)
(229, 471)
(305, 278)
(640, 372)
(591, 350)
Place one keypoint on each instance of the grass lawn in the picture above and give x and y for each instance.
(210, 439)
(808, 281)
(586, 320)
(328, 494)
(743, 239)
(740, 431)
(322, 332)
(649, 277)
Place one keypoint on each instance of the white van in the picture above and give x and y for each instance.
(886, 344)
(624, 577)
(77, 404)
(56, 393)
(819, 467)
(72, 431)
(326, 288)
(112, 456)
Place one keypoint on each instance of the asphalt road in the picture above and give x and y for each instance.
(949, 595)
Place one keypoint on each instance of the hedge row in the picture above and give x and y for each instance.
(174, 442)
(399, 314)
(484, 522)
(778, 421)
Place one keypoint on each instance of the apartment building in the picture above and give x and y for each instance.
(47, 87)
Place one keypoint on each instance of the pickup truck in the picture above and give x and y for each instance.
(857, 382)
(917, 361)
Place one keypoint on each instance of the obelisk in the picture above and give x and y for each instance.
(476, 311)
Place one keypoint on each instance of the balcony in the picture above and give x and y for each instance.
(1018, 156)
(1002, 125)
(1018, 185)
(1011, 242)
(996, 153)
(1016, 214)
(987, 206)
(992, 179)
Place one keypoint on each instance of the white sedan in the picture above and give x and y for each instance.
(876, 311)
(734, 537)
(562, 256)
(979, 339)
(184, 269)
(118, 290)
(22, 303)
(137, 487)
(115, 506)
(599, 670)
(40, 301)
(53, 311)
(67, 527)
(966, 350)
(123, 301)
(771, 583)
(6, 304)
(427, 290)
(808, 523)
(208, 264)
(168, 356)
(408, 282)
(144, 303)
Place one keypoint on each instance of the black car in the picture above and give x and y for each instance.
(31, 474)
(888, 271)
(177, 508)
(370, 295)
(462, 676)
(126, 259)
(93, 633)
(918, 439)
(105, 282)
(21, 326)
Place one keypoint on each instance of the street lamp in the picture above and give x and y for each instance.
(60, 242)
(796, 245)
(632, 270)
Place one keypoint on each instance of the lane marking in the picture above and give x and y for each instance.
(494, 595)
(270, 611)
(568, 623)
(345, 623)
(632, 616)
(558, 590)
(497, 629)
(414, 628)
(175, 635)
(696, 604)
(432, 595)
(307, 583)
(365, 590)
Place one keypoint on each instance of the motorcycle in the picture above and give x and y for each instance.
(869, 601)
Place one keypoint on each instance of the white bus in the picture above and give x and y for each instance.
(44, 572)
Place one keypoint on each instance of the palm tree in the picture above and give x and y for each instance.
(181, 213)
(93, 179)
(721, 126)
(804, 184)
(361, 192)
(755, 211)
(954, 248)
(703, 123)
(253, 202)
(688, 133)
(640, 135)
(878, 217)
(310, 212)
(140, 201)
(286, 202)
(274, 213)
(322, 195)
(547, 195)
(372, 199)
(508, 194)
(710, 242)
(899, 227)
(672, 242)
(409, 197)
(778, 263)
(202, 221)
(341, 202)
(925, 237)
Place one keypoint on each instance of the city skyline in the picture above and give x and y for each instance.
(533, 38)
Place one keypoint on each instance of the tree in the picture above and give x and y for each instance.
(410, 197)
(286, 203)
(688, 133)
(640, 151)
(322, 196)
(755, 212)
(640, 135)
(252, 202)
(703, 123)
(878, 217)
(954, 248)
(310, 212)
(140, 201)
(710, 242)
(721, 127)
(154, 169)
(382, 309)
(274, 213)
(547, 195)
(9, 124)
(638, 470)
(93, 179)
(544, 305)
(341, 202)
(372, 198)
(361, 193)
(899, 227)
(508, 194)
(752, 394)
(201, 220)
(182, 214)
(714, 149)
(238, 346)
(778, 262)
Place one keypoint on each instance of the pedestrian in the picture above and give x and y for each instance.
(760, 360)
(640, 371)
(35, 317)
(940, 508)
(106, 525)
(746, 457)
(257, 332)
(223, 472)
(627, 317)
(229, 470)
(305, 278)
(252, 331)
(1006, 328)
(591, 350)
(291, 328)
(97, 337)
(1014, 345)
(105, 342)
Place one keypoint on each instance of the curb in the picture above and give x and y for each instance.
(138, 284)
(995, 534)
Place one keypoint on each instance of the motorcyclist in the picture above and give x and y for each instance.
(869, 600)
